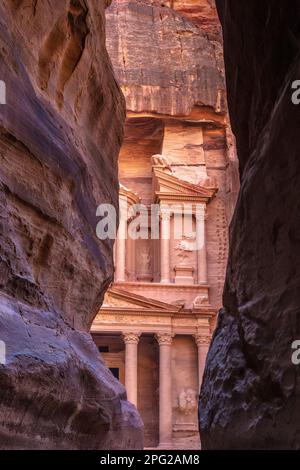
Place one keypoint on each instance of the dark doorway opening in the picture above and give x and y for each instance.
(115, 372)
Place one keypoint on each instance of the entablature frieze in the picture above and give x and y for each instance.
(126, 322)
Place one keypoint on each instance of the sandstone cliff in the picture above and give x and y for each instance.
(60, 133)
(163, 61)
(202, 13)
(250, 394)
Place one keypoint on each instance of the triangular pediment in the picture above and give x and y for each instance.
(166, 183)
(119, 298)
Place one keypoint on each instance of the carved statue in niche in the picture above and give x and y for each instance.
(184, 248)
(144, 263)
(181, 255)
(187, 401)
(145, 257)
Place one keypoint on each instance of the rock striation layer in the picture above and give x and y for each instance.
(164, 62)
(251, 388)
(60, 133)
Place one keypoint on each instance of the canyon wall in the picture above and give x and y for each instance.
(202, 13)
(251, 388)
(60, 133)
(164, 62)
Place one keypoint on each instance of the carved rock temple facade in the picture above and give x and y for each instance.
(155, 326)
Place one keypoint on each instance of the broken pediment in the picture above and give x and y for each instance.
(169, 186)
(120, 298)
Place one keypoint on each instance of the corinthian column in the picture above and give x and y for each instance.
(203, 342)
(165, 247)
(165, 390)
(201, 244)
(131, 341)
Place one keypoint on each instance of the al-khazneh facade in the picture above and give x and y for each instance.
(155, 325)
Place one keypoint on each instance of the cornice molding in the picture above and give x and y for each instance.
(202, 339)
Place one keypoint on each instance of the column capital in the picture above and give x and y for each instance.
(164, 215)
(202, 339)
(164, 338)
(131, 337)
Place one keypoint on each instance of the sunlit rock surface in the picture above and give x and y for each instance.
(60, 134)
(164, 62)
(250, 393)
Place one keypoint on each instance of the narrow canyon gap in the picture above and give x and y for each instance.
(60, 134)
(155, 325)
(250, 393)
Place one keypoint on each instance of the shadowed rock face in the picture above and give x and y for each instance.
(60, 134)
(251, 389)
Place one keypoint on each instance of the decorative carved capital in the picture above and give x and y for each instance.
(164, 338)
(202, 339)
(131, 338)
(165, 213)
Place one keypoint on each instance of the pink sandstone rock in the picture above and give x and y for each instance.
(61, 130)
(250, 393)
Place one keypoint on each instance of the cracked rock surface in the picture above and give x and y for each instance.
(60, 133)
(163, 61)
(251, 389)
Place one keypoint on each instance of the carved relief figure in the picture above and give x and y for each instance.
(145, 260)
(184, 248)
(187, 401)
